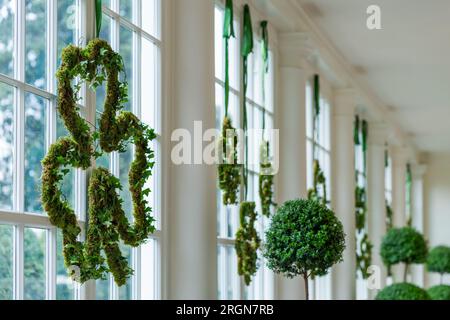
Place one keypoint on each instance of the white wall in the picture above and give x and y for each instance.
(437, 205)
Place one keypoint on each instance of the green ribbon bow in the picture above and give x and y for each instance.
(228, 32)
(247, 48)
(98, 17)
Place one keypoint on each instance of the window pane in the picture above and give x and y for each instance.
(35, 138)
(6, 37)
(149, 82)
(64, 284)
(36, 43)
(126, 8)
(126, 50)
(150, 17)
(148, 270)
(102, 289)
(219, 44)
(6, 265)
(6, 146)
(34, 264)
(67, 15)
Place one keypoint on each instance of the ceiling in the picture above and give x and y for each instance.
(406, 64)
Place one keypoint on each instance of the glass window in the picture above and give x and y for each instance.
(318, 147)
(230, 286)
(29, 124)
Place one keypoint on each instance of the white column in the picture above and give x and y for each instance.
(291, 116)
(399, 161)
(418, 172)
(376, 198)
(344, 273)
(192, 243)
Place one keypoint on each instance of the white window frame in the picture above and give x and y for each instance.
(320, 288)
(262, 286)
(85, 26)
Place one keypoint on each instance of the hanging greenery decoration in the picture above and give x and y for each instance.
(107, 221)
(364, 250)
(319, 183)
(228, 168)
(389, 216)
(364, 259)
(409, 193)
(319, 179)
(247, 240)
(266, 171)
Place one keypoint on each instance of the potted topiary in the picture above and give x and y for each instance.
(439, 261)
(402, 291)
(403, 245)
(305, 238)
(441, 292)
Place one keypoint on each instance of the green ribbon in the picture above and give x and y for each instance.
(246, 49)
(98, 17)
(356, 131)
(409, 192)
(386, 156)
(316, 95)
(365, 136)
(265, 58)
(228, 32)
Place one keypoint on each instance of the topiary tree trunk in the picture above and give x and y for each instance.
(305, 278)
(405, 276)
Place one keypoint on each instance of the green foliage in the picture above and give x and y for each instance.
(319, 181)
(266, 181)
(107, 221)
(229, 169)
(247, 242)
(441, 292)
(403, 245)
(364, 259)
(439, 260)
(402, 291)
(304, 238)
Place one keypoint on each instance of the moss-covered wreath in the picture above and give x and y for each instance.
(107, 222)
(319, 180)
(229, 169)
(266, 180)
(247, 242)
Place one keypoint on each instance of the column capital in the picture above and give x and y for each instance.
(400, 156)
(295, 49)
(418, 171)
(344, 102)
(378, 133)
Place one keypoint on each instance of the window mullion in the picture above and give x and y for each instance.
(18, 262)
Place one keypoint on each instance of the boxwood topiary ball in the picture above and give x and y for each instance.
(402, 291)
(441, 292)
(403, 245)
(305, 237)
(439, 260)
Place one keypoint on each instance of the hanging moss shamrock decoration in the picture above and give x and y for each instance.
(229, 169)
(107, 221)
(247, 242)
(319, 181)
(266, 180)
(364, 259)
